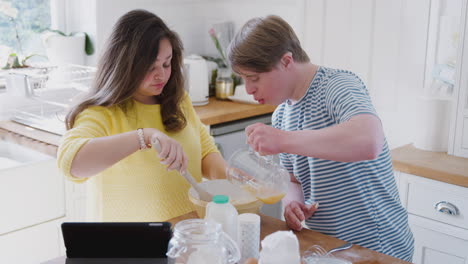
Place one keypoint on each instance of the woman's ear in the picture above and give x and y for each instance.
(287, 60)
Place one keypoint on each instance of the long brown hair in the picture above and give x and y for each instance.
(261, 43)
(130, 51)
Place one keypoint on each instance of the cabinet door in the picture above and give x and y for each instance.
(437, 243)
(458, 143)
(30, 194)
(34, 244)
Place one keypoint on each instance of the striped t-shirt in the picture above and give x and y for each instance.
(359, 201)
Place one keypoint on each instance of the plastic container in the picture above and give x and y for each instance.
(243, 201)
(259, 175)
(224, 213)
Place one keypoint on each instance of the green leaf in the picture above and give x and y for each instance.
(89, 48)
(16, 63)
(56, 31)
(23, 62)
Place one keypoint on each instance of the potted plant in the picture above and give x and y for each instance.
(62, 48)
(13, 60)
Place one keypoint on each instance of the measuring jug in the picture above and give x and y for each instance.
(198, 241)
(259, 175)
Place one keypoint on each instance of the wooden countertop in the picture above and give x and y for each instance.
(307, 238)
(356, 254)
(218, 111)
(433, 165)
(215, 112)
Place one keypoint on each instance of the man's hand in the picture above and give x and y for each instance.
(264, 139)
(295, 213)
(251, 261)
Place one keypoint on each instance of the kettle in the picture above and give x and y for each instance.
(196, 79)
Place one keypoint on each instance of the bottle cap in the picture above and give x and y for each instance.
(220, 199)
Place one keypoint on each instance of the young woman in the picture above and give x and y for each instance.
(329, 137)
(138, 98)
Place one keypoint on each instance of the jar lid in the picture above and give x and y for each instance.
(224, 72)
(220, 199)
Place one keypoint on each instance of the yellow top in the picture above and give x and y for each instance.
(137, 188)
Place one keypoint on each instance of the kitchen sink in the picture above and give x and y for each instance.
(47, 110)
(13, 155)
(43, 116)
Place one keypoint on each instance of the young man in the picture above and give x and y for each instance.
(329, 138)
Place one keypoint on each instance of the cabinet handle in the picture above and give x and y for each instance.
(446, 208)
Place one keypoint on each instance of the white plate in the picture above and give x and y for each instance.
(242, 96)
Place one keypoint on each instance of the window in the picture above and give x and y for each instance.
(445, 26)
(21, 22)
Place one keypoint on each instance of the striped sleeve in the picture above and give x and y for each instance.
(347, 96)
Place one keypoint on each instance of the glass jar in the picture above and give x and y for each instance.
(201, 241)
(224, 84)
(259, 175)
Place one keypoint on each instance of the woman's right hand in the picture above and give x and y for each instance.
(171, 154)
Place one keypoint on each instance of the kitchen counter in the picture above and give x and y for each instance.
(433, 165)
(307, 238)
(216, 112)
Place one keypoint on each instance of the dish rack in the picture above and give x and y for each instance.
(40, 83)
(47, 93)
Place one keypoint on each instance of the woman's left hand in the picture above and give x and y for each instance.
(264, 139)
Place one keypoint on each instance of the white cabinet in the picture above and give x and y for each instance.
(438, 217)
(33, 205)
(32, 245)
(458, 143)
(30, 194)
(437, 243)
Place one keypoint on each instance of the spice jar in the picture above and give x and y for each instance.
(224, 84)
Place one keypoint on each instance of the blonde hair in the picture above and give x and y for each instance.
(130, 51)
(261, 43)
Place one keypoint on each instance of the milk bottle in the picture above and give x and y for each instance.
(223, 212)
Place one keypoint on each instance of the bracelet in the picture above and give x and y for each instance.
(141, 139)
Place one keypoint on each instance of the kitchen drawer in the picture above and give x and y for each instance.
(35, 244)
(438, 243)
(30, 194)
(424, 194)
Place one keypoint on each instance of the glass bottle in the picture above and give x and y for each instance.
(224, 84)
